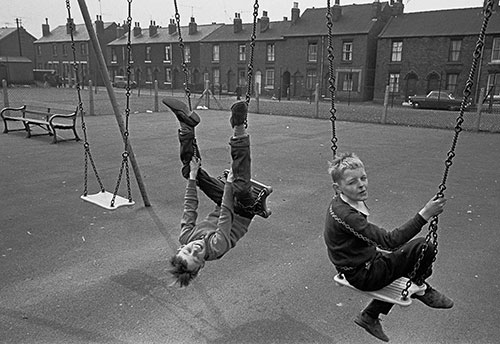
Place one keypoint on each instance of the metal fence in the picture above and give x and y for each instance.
(96, 102)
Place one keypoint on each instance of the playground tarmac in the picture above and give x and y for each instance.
(72, 272)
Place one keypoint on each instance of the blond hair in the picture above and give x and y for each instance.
(342, 162)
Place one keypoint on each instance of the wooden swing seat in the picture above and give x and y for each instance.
(390, 293)
(103, 200)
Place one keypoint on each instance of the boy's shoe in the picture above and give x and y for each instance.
(371, 325)
(435, 299)
(181, 111)
(239, 111)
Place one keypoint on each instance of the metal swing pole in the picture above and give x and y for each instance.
(105, 76)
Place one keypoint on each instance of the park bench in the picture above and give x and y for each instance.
(42, 116)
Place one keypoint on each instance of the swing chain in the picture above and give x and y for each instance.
(183, 56)
(126, 134)
(86, 144)
(433, 226)
(253, 38)
(331, 78)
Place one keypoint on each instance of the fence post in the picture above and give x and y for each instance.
(91, 99)
(156, 96)
(386, 105)
(479, 109)
(5, 93)
(316, 100)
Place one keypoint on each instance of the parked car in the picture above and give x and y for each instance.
(121, 82)
(439, 100)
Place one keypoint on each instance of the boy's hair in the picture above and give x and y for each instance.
(179, 269)
(342, 162)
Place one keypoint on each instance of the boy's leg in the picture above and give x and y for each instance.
(240, 155)
(212, 187)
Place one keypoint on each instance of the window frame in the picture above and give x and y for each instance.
(396, 51)
(270, 52)
(312, 54)
(215, 53)
(495, 50)
(347, 54)
(455, 52)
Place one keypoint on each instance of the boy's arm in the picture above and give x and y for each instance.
(383, 238)
(190, 214)
(221, 240)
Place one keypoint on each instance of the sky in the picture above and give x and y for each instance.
(32, 13)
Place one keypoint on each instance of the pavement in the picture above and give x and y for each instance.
(72, 272)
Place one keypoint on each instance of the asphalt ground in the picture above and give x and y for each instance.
(72, 272)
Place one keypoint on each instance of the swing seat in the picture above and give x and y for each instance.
(103, 200)
(260, 192)
(390, 293)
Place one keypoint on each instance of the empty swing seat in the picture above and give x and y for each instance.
(103, 199)
(391, 293)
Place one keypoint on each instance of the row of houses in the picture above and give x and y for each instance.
(374, 45)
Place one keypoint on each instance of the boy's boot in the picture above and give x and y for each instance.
(371, 325)
(239, 111)
(434, 298)
(181, 111)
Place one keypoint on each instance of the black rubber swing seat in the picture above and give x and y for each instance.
(260, 192)
(391, 293)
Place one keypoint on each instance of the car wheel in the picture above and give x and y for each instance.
(416, 105)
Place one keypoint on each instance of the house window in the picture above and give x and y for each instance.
(64, 50)
(312, 52)
(168, 53)
(495, 50)
(168, 75)
(311, 79)
(242, 77)
(455, 46)
(394, 82)
(114, 58)
(242, 53)
(270, 52)
(216, 74)
(39, 50)
(347, 51)
(493, 84)
(215, 53)
(83, 49)
(54, 49)
(396, 51)
(187, 53)
(270, 78)
(149, 75)
(451, 82)
(148, 53)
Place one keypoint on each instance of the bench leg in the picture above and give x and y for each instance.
(77, 138)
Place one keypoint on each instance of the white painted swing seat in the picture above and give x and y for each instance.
(390, 293)
(103, 199)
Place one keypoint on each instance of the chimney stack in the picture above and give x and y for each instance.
(336, 11)
(193, 27)
(397, 8)
(264, 22)
(295, 12)
(99, 26)
(153, 29)
(172, 27)
(137, 29)
(70, 24)
(237, 23)
(376, 9)
(46, 28)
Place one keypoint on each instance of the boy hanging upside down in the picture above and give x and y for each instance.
(219, 232)
(352, 244)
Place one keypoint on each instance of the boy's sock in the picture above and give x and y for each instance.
(239, 131)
